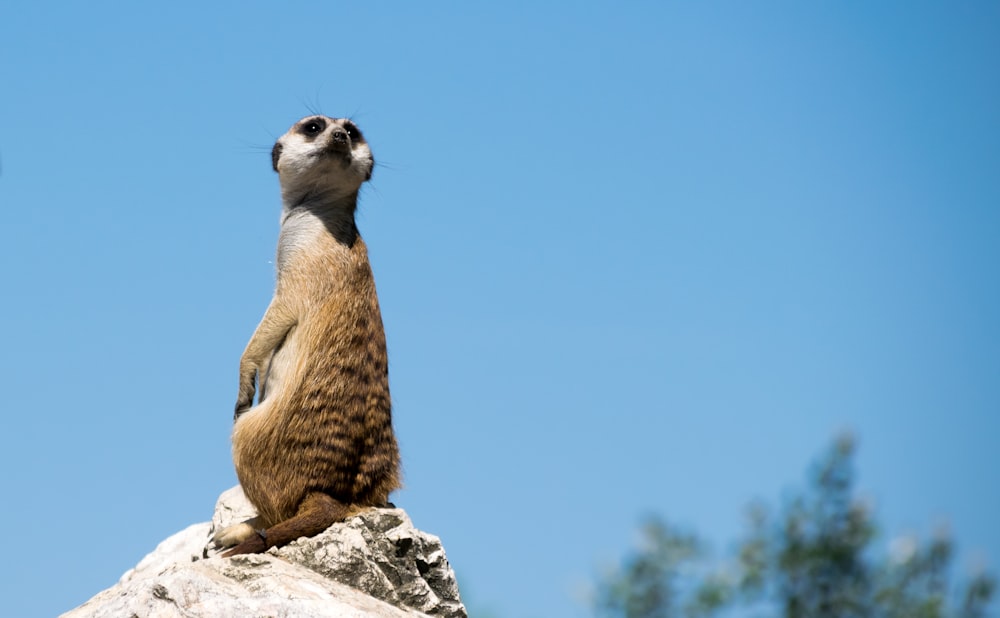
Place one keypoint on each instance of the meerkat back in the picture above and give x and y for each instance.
(319, 442)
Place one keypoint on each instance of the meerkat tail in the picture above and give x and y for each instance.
(317, 512)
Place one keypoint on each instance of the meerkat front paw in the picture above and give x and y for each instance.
(244, 399)
(233, 535)
(242, 406)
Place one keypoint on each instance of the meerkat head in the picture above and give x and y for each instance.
(322, 155)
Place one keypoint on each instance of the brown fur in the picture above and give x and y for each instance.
(320, 443)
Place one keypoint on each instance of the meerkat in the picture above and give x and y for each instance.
(319, 443)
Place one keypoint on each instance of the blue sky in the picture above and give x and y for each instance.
(631, 258)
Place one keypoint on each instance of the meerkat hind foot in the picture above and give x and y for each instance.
(235, 534)
(316, 513)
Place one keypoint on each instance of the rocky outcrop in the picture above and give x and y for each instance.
(374, 564)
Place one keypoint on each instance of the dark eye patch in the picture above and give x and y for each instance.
(352, 131)
(312, 127)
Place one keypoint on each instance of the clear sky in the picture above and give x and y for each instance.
(632, 258)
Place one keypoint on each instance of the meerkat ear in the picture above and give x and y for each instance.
(275, 155)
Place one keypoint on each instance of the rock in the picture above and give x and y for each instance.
(232, 507)
(185, 546)
(374, 564)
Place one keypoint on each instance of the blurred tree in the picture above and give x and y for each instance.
(815, 560)
(648, 584)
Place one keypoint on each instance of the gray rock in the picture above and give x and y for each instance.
(374, 564)
(231, 508)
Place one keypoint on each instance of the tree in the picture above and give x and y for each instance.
(648, 585)
(813, 560)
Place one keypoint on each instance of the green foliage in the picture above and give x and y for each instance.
(647, 586)
(814, 560)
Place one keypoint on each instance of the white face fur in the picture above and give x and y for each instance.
(322, 156)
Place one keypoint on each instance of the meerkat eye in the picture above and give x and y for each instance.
(352, 131)
(313, 128)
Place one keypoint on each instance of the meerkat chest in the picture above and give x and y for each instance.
(302, 235)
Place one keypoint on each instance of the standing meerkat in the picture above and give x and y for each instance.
(319, 443)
